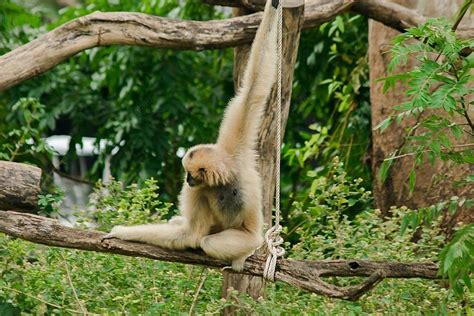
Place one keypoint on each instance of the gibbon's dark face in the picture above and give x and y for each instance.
(203, 166)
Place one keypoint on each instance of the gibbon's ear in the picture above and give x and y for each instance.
(275, 3)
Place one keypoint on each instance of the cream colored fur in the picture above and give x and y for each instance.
(231, 236)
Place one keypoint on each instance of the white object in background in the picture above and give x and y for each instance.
(76, 194)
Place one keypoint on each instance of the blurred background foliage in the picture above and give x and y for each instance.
(155, 103)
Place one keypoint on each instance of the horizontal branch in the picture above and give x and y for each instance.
(389, 13)
(398, 17)
(127, 28)
(303, 274)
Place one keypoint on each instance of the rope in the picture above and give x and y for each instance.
(272, 236)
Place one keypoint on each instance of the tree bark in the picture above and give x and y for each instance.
(127, 28)
(391, 14)
(19, 186)
(303, 274)
(434, 183)
(266, 144)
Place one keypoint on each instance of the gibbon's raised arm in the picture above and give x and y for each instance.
(243, 115)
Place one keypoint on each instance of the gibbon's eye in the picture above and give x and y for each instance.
(202, 170)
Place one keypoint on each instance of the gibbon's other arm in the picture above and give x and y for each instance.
(239, 127)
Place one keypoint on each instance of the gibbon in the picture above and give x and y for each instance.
(221, 202)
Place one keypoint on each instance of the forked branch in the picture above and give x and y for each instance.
(303, 274)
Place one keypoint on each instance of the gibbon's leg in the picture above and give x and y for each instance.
(231, 244)
(174, 234)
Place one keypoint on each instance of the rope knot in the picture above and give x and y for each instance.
(274, 242)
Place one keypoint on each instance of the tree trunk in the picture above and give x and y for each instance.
(293, 17)
(434, 183)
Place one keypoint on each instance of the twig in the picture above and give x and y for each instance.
(461, 14)
(70, 177)
(463, 103)
(40, 299)
(425, 151)
(202, 279)
(69, 279)
(185, 292)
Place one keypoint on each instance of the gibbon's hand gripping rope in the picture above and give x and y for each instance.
(272, 236)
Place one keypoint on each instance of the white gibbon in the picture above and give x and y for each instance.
(221, 202)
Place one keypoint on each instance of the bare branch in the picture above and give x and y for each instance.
(303, 274)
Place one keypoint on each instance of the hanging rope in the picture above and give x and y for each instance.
(272, 236)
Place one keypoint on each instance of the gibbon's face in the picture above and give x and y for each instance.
(205, 165)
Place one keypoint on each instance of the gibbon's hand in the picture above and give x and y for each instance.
(275, 3)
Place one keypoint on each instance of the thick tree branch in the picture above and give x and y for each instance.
(391, 14)
(303, 274)
(127, 28)
(397, 16)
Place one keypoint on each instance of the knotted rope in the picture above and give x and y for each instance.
(272, 236)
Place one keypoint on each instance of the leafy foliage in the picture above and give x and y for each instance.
(335, 194)
(330, 112)
(34, 279)
(440, 83)
(133, 205)
(456, 260)
(144, 101)
(21, 139)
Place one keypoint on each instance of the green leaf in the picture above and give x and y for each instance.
(456, 131)
(384, 169)
(384, 124)
(404, 224)
(412, 181)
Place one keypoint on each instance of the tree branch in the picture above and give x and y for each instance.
(127, 28)
(303, 274)
(389, 13)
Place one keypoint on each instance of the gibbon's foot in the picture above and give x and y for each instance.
(116, 232)
(238, 264)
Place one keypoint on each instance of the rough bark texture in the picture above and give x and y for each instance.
(390, 14)
(127, 28)
(19, 186)
(434, 183)
(292, 23)
(303, 274)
